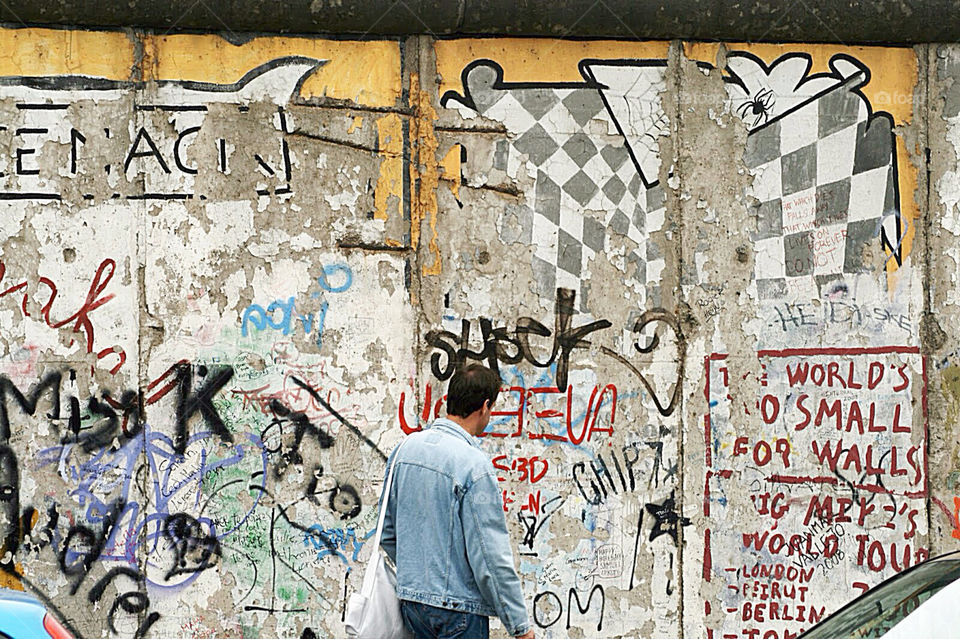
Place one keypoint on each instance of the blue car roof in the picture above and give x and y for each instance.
(16, 595)
(21, 615)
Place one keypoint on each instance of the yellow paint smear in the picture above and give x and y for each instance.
(535, 59)
(357, 123)
(429, 179)
(8, 580)
(390, 180)
(37, 52)
(893, 78)
(450, 169)
(365, 72)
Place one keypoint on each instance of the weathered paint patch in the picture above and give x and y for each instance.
(389, 191)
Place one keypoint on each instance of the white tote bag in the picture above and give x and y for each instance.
(374, 611)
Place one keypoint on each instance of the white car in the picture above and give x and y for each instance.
(923, 601)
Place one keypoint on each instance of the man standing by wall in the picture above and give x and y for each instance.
(444, 527)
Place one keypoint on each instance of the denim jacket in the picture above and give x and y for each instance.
(445, 529)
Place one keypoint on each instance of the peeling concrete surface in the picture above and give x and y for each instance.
(718, 282)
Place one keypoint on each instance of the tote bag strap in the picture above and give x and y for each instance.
(368, 576)
(386, 497)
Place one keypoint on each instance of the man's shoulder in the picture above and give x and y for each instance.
(440, 446)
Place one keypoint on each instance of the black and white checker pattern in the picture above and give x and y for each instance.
(824, 172)
(584, 181)
(825, 178)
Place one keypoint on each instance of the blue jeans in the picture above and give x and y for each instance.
(429, 622)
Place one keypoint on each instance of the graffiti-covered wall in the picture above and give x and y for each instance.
(718, 283)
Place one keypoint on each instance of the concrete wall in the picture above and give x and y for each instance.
(718, 282)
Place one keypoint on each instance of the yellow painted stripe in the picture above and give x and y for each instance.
(365, 72)
(39, 52)
(535, 59)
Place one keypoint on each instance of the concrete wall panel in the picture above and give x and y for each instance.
(234, 276)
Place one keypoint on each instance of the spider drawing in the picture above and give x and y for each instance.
(758, 108)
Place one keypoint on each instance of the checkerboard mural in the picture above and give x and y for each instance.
(825, 176)
(824, 167)
(586, 184)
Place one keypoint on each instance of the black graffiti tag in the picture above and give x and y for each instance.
(132, 602)
(548, 609)
(189, 403)
(28, 403)
(193, 549)
(9, 503)
(500, 346)
(121, 418)
(83, 546)
(656, 316)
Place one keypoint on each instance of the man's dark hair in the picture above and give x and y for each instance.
(469, 388)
